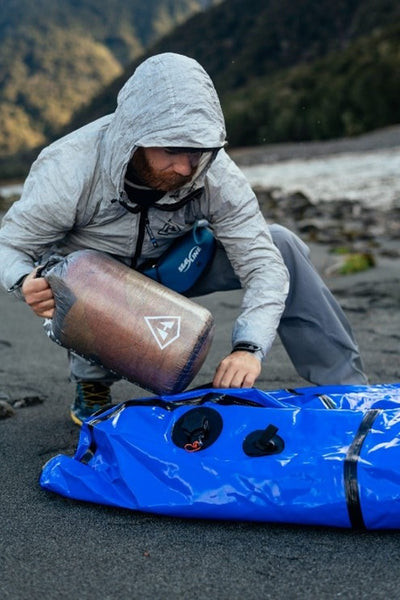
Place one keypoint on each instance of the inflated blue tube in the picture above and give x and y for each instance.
(319, 456)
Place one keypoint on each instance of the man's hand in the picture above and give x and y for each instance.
(237, 370)
(38, 295)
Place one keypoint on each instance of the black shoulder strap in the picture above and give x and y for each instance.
(144, 210)
(140, 237)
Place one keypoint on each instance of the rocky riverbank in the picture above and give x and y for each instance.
(342, 225)
(346, 227)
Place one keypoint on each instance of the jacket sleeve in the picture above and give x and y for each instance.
(241, 228)
(42, 216)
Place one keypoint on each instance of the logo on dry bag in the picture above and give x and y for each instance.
(189, 260)
(165, 330)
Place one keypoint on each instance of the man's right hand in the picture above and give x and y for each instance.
(38, 295)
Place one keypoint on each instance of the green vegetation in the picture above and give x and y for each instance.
(56, 57)
(61, 72)
(285, 71)
(351, 261)
(291, 71)
(354, 263)
(344, 94)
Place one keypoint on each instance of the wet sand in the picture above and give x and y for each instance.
(59, 549)
(54, 548)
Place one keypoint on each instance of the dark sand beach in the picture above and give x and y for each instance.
(54, 548)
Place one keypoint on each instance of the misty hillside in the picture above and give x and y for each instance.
(285, 71)
(56, 55)
(290, 71)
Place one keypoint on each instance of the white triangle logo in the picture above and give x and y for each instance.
(165, 330)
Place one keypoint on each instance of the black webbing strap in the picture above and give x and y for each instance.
(143, 219)
(140, 238)
(350, 470)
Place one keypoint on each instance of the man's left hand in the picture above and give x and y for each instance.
(237, 370)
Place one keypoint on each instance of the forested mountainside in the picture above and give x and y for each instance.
(286, 71)
(56, 55)
(289, 71)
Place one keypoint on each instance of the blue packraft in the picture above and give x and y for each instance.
(318, 455)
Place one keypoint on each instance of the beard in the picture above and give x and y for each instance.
(165, 181)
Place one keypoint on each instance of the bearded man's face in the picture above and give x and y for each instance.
(161, 169)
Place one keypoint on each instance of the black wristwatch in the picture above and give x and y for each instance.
(246, 347)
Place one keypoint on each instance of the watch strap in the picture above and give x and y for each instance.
(246, 347)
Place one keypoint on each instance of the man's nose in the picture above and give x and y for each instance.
(184, 163)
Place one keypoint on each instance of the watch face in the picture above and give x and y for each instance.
(246, 347)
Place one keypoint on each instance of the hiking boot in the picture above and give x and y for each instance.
(90, 397)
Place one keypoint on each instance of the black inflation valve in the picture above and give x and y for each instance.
(197, 429)
(263, 442)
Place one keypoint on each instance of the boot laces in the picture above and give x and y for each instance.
(94, 394)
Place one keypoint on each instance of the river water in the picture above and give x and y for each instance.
(372, 177)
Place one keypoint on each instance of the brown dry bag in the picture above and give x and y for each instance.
(129, 324)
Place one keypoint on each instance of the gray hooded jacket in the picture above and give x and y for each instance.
(70, 198)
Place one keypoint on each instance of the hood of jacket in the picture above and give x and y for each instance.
(170, 100)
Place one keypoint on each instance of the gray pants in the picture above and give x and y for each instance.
(313, 328)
